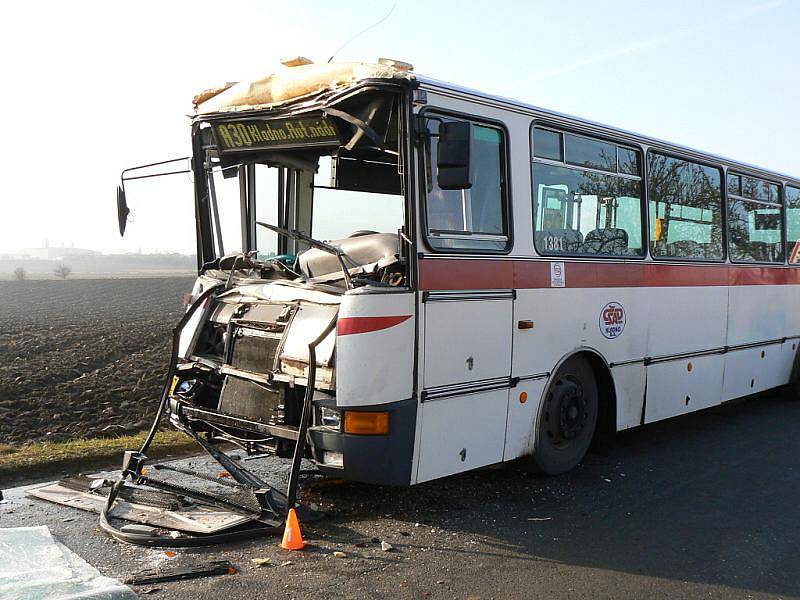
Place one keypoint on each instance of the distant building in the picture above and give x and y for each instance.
(54, 253)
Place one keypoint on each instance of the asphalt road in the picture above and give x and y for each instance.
(706, 505)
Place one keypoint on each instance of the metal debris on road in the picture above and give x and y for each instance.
(175, 572)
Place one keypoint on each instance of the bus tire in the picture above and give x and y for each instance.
(567, 419)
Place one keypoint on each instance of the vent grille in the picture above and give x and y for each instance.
(254, 351)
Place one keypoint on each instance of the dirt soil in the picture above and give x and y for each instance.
(83, 358)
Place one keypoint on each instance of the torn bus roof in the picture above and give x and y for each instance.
(294, 83)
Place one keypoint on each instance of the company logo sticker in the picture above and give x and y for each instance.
(612, 320)
(558, 277)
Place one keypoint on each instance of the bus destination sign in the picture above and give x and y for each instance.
(255, 134)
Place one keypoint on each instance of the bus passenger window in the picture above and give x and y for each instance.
(685, 209)
(587, 152)
(473, 219)
(793, 225)
(755, 222)
(547, 144)
(587, 212)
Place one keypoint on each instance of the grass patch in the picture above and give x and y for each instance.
(41, 459)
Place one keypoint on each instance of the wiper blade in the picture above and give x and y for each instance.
(299, 235)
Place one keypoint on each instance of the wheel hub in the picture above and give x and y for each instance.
(566, 412)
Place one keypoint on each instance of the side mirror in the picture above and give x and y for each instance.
(122, 210)
(454, 156)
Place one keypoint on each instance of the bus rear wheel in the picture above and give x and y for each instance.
(567, 419)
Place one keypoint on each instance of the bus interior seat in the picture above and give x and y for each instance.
(764, 251)
(686, 248)
(610, 240)
(756, 251)
(364, 248)
(571, 240)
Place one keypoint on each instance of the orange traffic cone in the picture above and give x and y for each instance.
(292, 538)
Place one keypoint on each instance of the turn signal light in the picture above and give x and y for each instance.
(366, 423)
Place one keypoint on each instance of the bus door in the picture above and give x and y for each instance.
(466, 328)
(466, 373)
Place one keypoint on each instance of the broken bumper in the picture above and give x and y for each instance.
(378, 459)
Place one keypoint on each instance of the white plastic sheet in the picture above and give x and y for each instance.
(36, 566)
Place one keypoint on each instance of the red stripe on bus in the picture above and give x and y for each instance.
(481, 274)
(352, 325)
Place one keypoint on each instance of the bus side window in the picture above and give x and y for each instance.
(755, 221)
(685, 209)
(475, 218)
(578, 208)
(793, 224)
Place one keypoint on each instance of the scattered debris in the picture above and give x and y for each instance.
(170, 554)
(162, 510)
(386, 547)
(175, 572)
(286, 563)
(138, 528)
(606, 479)
(339, 554)
(148, 591)
(540, 518)
(260, 562)
(33, 564)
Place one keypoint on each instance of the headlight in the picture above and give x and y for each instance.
(330, 417)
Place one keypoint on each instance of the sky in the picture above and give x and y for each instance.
(91, 88)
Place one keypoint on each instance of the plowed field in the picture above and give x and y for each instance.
(83, 358)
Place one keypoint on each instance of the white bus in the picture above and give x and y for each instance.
(448, 280)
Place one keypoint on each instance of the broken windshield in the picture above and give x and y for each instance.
(315, 206)
(340, 213)
(332, 176)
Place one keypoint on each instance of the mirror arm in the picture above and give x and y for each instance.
(124, 179)
(155, 164)
(122, 204)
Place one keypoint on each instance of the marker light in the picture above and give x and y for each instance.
(366, 423)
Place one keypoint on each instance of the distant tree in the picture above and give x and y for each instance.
(20, 274)
(62, 271)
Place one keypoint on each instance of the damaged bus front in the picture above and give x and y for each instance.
(304, 290)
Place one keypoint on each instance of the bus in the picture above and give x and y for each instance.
(409, 279)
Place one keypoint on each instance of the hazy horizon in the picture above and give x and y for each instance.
(99, 87)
